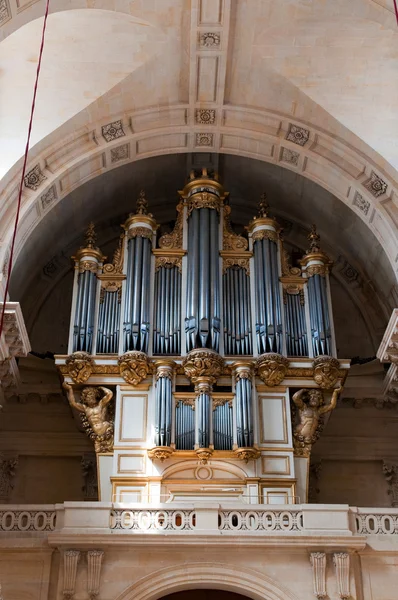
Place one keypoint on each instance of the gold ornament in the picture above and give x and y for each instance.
(272, 368)
(79, 366)
(265, 234)
(168, 262)
(231, 240)
(236, 261)
(144, 232)
(247, 454)
(204, 454)
(203, 363)
(174, 239)
(326, 371)
(310, 406)
(204, 200)
(134, 367)
(161, 453)
(94, 414)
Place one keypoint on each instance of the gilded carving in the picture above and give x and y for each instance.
(317, 270)
(204, 454)
(231, 240)
(236, 261)
(272, 368)
(203, 200)
(134, 367)
(326, 371)
(116, 266)
(174, 239)
(95, 419)
(310, 406)
(144, 232)
(220, 402)
(265, 234)
(203, 363)
(168, 262)
(390, 473)
(247, 454)
(161, 453)
(79, 366)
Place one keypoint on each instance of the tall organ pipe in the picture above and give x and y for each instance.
(108, 323)
(268, 302)
(244, 410)
(237, 312)
(167, 311)
(319, 315)
(222, 427)
(296, 332)
(202, 322)
(84, 315)
(185, 427)
(136, 308)
(203, 403)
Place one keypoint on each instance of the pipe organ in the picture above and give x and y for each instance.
(203, 334)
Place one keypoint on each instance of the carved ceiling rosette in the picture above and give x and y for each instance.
(80, 366)
(271, 368)
(202, 363)
(134, 367)
(326, 371)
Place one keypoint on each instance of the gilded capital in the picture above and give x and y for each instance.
(272, 368)
(203, 364)
(134, 367)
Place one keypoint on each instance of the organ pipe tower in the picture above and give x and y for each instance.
(203, 336)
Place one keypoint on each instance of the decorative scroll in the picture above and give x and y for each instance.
(231, 240)
(318, 562)
(168, 261)
(203, 200)
(144, 232)
(173, 240)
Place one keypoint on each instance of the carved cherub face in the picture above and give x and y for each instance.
(90, 396)
(315, 398)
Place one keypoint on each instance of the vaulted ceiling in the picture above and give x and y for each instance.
(308, 87)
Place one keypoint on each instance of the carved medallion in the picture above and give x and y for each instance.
(134, 367)
(326, 371)
(80, 366)
(272, 368)
(203, 363)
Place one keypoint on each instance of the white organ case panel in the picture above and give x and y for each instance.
(131, 418)
(275, 427)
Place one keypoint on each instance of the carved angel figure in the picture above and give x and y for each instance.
(95, 411)
(310, 404)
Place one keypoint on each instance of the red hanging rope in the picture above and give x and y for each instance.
(396, 9)
(32, 110)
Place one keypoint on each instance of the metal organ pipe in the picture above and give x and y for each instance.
(237, 312)
(202, 323)
(136, 312)
(319, 315)
(268, 304)
(167, 316)
(244, 410)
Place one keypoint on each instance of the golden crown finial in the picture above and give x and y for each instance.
(90, 236)
(314, 239)
(263, 206)
(142, 204)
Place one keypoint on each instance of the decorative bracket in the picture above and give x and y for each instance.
(341, 562)
(318, 562)
(71, 559)
(94, 563)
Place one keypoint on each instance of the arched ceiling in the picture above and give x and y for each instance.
(43, 273)
(309, 86)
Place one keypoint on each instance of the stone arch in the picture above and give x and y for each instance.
(83, 159)
(243, 581)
